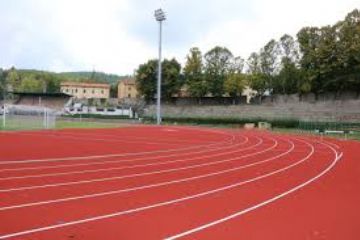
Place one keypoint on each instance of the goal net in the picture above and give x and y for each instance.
(27, 117)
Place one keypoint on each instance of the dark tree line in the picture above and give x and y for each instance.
(317, 60)
(331, 55)
(28, 81)
(146, 78)
(216, 73)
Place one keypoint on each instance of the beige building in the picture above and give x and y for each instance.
(86, 90)
(249, 93)
(127, 89)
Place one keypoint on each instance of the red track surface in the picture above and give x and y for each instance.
(177, 183)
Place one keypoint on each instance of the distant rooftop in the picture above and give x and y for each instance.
(87, 85)
(40, 94)
(128, 81)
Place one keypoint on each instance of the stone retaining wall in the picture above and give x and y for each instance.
(336, 110)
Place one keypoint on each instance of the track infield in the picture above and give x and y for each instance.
(149, 182)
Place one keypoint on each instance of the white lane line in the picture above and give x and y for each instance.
(69, 136)
(216, 148)
(140, 165)
(111, 155)
(120, 160)
(157, 205)
(134, 175)
(131, 139)
(261, 204)
(332, 144)
(151, 185)
(63, 134)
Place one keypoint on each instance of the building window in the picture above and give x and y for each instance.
(129, 88)
(76, 90)
(93, 91)
(102, 91)
(129, 96)
(84, 90)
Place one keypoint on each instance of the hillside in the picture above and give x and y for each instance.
(95, 76)
(30, 80)
(76, 76)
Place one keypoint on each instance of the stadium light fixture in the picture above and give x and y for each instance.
(160, 17)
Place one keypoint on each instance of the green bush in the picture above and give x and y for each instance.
(322, 126)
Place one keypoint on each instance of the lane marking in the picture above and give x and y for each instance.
(161, 204)
(57, 133)
(151, 185)
(70, 136)
(246, 139)
(64, 134)
(134, 175)
(264, 203)
(138, 160)
(125, 160)
(112, 155)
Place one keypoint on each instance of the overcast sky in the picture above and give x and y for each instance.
(115, 36)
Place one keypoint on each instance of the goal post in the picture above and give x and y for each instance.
(3, 118)
(21, 117)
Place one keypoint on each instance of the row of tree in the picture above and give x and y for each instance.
(220, 74)
(318, 60)
(16, 80)
(28, 81)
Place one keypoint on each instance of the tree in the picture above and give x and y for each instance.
(113, 90)
(2, 83)
(171, 79)
(194, 75)
(217, 66)
(331, 55)
(309, 39)
(348, 34)
(235, 81)
(287, 80)
(235, 84)
(289, 48)
(268, 63)
(146, 78)
(303, 84)
(13, 79)
(50, 82)
(253, 63)
(237, 65)
(256, 79)
(30, 84)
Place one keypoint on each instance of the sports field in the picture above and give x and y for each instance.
(149, 182)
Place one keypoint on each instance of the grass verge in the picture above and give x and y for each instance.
(73, 124)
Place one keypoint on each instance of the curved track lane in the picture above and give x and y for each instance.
(201, 184)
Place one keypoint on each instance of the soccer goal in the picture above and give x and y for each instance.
(17, 117)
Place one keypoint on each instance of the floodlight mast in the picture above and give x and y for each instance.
(160, 17)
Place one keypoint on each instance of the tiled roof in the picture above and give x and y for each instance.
(130, 81)
(85, 85)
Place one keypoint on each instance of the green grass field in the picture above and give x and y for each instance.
(72, 124)
(60, 125)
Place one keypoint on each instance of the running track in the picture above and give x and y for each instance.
(177, 183)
